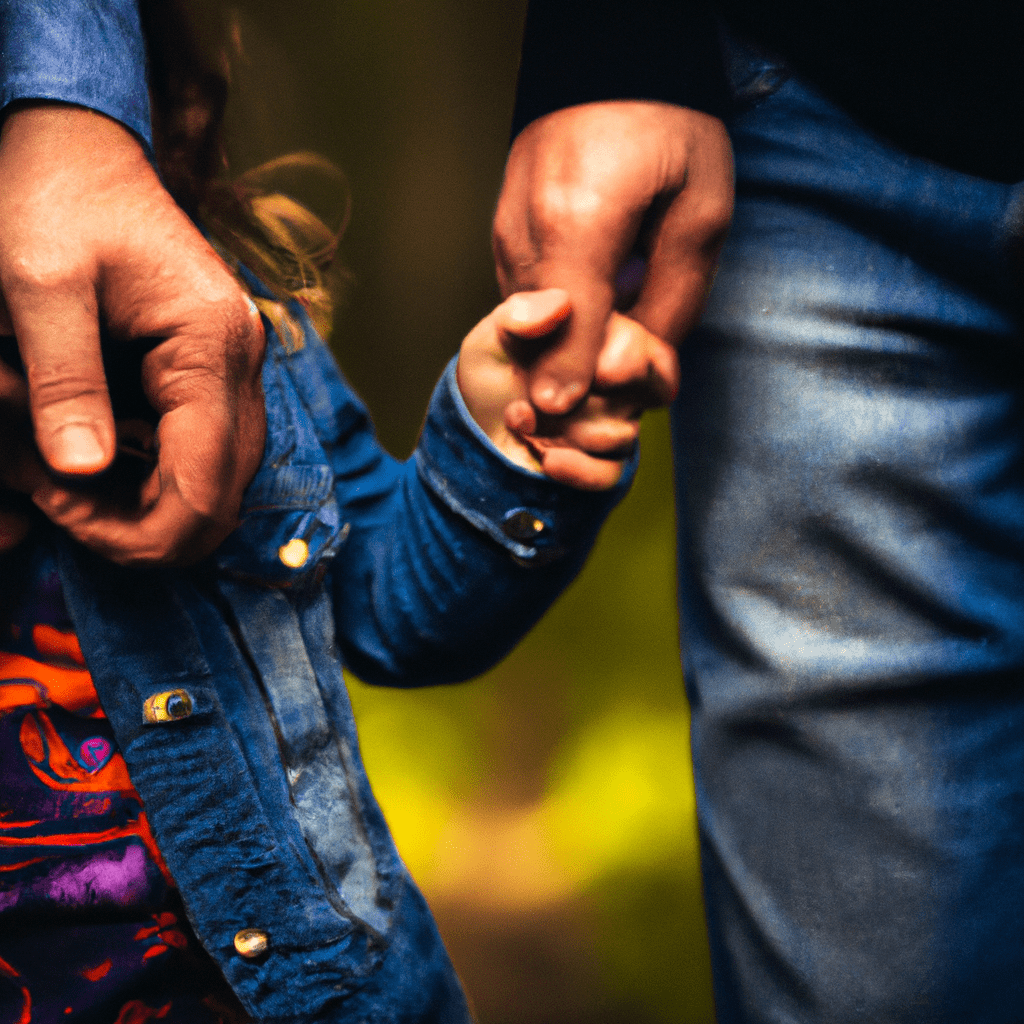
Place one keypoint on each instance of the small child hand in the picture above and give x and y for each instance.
(588, 447)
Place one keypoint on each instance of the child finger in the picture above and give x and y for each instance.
(604, 436)
(577, 469)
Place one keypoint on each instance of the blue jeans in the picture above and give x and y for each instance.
(850, 477)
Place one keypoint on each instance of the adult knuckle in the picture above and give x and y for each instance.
(149, 550)
(506, 226)
(243, 361)
(709, 229)
(560, 204)
(56, 387)
(38, 272)
(718, 213)
(237, 334)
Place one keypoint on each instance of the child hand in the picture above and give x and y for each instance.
(587, 447)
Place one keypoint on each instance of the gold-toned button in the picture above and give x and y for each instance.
(251, 943)
(295, 553)
(523, 526)
(169, 706)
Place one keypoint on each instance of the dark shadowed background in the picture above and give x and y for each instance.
(546, 810)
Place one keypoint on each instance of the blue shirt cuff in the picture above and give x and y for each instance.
(88, 53)
(536, 519)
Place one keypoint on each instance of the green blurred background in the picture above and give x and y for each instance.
(547, 809)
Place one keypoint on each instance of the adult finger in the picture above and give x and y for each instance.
(166, 520)
(636, 365)
(684, 242)
(556, 225)
(561, 375)
(49, 277)
(205, 389)
(635, 371)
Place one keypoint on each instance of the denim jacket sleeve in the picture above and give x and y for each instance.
(437, 565)
(425, 570)
(88, 52)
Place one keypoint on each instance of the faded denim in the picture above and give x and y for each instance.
(850, 474)
(258, 799)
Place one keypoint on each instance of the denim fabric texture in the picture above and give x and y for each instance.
(91, 54)
(258, 798)
(412, 572)
(850, 478)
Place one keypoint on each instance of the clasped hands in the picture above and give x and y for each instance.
(622, 207)
(557, 375)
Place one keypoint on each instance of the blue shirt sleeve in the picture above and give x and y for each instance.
(88, 52)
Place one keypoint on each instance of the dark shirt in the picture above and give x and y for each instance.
(941, 81)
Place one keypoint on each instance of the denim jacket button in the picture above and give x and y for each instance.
(522, 525)
(169, 706)
(295, 553)
(251, 943)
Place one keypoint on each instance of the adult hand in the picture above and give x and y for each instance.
(587, 187)
(88, 233)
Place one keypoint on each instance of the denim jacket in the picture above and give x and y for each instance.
(224, 686)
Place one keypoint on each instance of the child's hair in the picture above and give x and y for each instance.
(279, 240)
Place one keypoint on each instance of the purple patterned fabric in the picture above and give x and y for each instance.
(91, 927)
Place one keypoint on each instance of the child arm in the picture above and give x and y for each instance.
(448, 566)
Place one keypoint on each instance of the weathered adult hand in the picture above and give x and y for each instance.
(88, 234)
(589, 186)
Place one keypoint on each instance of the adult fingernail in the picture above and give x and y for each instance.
(76, 448)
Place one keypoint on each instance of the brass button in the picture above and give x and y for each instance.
(523, 525)
(169, 706)
(295, 553)
(251, 943)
